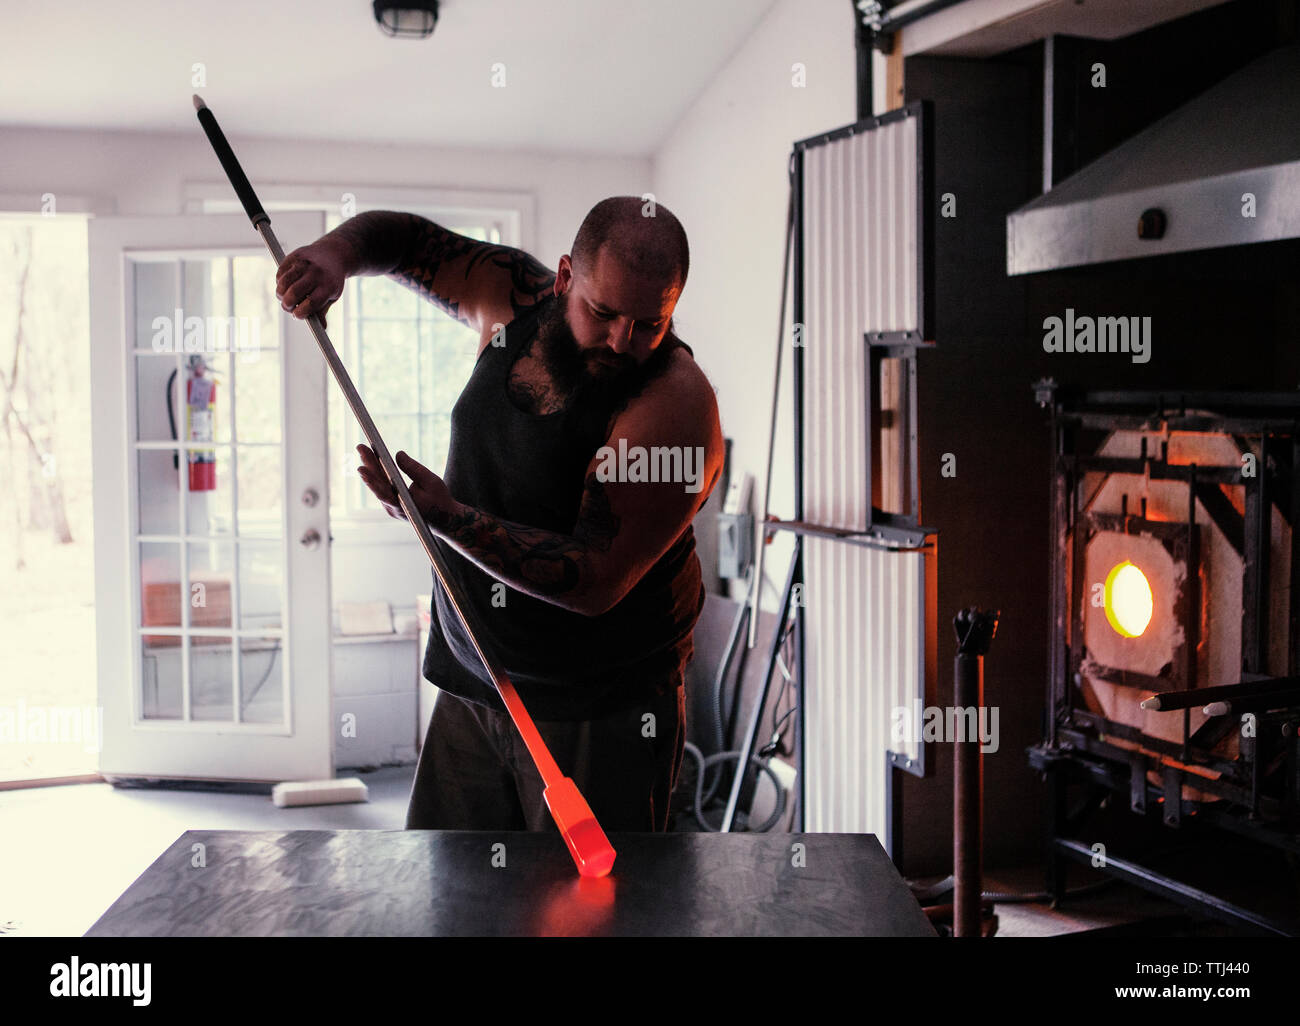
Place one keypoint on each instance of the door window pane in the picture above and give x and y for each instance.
(261, 669)
(210, 678)
(209, 593)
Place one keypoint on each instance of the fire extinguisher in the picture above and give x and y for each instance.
(200, 423)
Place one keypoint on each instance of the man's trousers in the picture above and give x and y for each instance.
(475, 773)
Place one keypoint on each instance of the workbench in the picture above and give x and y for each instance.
(309, 883)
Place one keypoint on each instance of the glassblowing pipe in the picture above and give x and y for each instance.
(577, 824)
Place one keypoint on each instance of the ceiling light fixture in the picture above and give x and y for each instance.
(412, 19)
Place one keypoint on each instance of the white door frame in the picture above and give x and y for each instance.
(301, 747)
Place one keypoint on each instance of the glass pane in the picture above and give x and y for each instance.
(216, 369)
(210, 580)
(208, 510)
(163, 393)
(343, 459)
(255, 305)
(219, 286)
(153, 373)
(210, 680)
(437, 442)
(453, 350)
(257, 404)
(389, 366)
(261, 669)
(187, 306)
(160, 678)
(156, 302)
(261, 490)
(261, 584)
(427, 453)
(160, 589)
(383, 297)
(158, 495)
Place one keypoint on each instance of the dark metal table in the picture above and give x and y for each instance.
(309, 883)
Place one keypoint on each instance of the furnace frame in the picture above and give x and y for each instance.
(1074, 747)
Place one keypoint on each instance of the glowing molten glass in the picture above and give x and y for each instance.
(1128, 600)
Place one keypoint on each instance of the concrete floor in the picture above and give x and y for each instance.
(69, 852)
(1115, 906)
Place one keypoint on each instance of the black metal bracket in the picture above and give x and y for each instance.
(904, 350)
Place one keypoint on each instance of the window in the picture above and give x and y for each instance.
(47, 552)
(409, 361)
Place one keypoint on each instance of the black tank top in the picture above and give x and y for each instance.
(530, 469)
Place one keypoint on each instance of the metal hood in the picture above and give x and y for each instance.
(1182, 183)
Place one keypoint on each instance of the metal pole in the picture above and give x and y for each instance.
(756, 714)
(975, 630)
(578, 826)
(756, 599)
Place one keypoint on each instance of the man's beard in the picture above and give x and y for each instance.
(581, 375)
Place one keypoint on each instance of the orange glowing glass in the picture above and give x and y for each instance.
(1128, 600)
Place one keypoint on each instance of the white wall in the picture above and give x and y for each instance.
(723, 172)
(144, 173)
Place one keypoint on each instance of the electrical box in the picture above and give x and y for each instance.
(735, 544)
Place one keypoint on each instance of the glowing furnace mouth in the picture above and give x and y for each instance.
(1128, 601)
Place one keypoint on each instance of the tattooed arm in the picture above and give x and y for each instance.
(480, 284)
(564, 570)
(623, 527)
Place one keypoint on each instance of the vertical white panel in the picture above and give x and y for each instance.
(863, 661)
(864, 616)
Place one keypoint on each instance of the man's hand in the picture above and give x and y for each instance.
(427, 489)
(310, 279)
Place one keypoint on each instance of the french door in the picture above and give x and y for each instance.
(212, 559)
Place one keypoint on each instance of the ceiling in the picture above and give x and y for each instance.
(590, 76)
(983, 28)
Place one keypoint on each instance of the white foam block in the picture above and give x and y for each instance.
(365, 618)
(320, 792)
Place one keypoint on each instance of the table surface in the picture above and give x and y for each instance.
(310, 883)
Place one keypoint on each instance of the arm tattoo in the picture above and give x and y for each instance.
(437, 263)
(540, 563)
(597, 522)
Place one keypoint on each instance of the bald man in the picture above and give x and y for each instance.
(582, 447)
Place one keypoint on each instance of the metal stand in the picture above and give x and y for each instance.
(975, 630)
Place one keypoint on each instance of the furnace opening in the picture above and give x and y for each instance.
(1128, 600)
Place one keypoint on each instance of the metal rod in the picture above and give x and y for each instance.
(975, 630)
(757, 594)
(1169, 700)
(756, 714)
(546, 765)
(796, 361)
(1256, 703)
(882, 537)
(1174, 890)
(720, 678)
